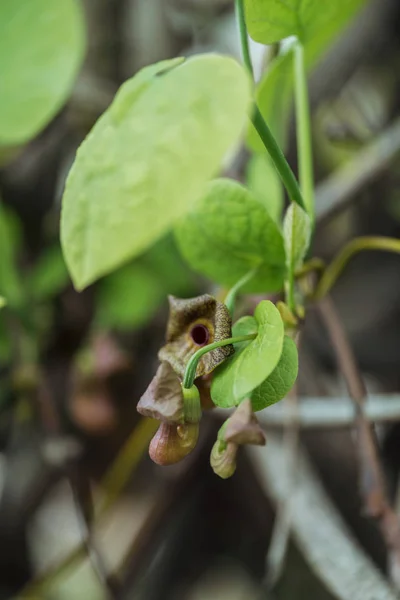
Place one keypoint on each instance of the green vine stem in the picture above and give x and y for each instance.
(303, 131)
(271, 145)
(334, 270)
(230, 299)
(191, 367)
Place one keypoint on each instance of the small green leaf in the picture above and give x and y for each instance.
(228, 233)
(49, 275)
(147, 158)
(42, 45)
(128, 298)
(252, 362)
(263, 181)
(297, 235)
(269, 21)
(3, 302)
(281, 380)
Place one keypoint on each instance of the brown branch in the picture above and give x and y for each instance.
(372, 485)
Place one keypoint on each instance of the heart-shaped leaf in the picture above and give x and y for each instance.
(252, 362)
(263, 181)
(42, 44)
(228, 233)
(147, 159)
(281, 380)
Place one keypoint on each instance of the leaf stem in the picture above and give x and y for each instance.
(334, 270)
(191, 367)
(244, 39)
(303, 130)
(271, 145)
(233, 292)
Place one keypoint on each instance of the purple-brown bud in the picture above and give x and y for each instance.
(172, 442)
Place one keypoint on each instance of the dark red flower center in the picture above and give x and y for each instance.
(200, 335)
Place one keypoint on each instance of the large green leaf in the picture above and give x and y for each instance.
(41, 49)
(297, 235)
(269, 21)
(281, 380)
(252, 362)
(147, 159)
(228, 233)
(264, 182)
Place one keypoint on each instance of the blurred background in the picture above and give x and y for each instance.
(84, 513)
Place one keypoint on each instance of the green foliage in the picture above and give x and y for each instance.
(49, 275)
(147, 158)
(252, 362)
(275, 90)
(41, 50)
(263, 181)
(228, 233)
(281, 380)
(10, 282)
(3, 302)
(297, 235)
(269, 21)
(128, 297)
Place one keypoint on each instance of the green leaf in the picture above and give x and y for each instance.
(228, 233)
(49, 275)
(297, 236)
(128, 298)
(281, 380)
(42, 45)
(252, 362)
(263, 181)
(269, 21)
(147, 158)
(3, 302)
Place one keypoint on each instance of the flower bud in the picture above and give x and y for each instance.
(172, 442)
(223, 459)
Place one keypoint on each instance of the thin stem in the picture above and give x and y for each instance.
(233, 292)
(279, 160)
(272, 147)
(191, 367)
(244, 40)
(334, 270)
(303, 130)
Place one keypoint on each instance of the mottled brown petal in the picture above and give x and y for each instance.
(185, 314)
(163, 398)
(243, 428)
(172, 443)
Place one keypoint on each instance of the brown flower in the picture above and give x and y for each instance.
(193, 323)
(163, 399)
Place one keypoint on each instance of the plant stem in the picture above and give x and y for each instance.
(272, 147)
(279, 160)
(244, 40)
(334, 270)
(233, 292)
(191, 367)
(303, 130)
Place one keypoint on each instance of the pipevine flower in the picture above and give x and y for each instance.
(193, 323)
(241, 428)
